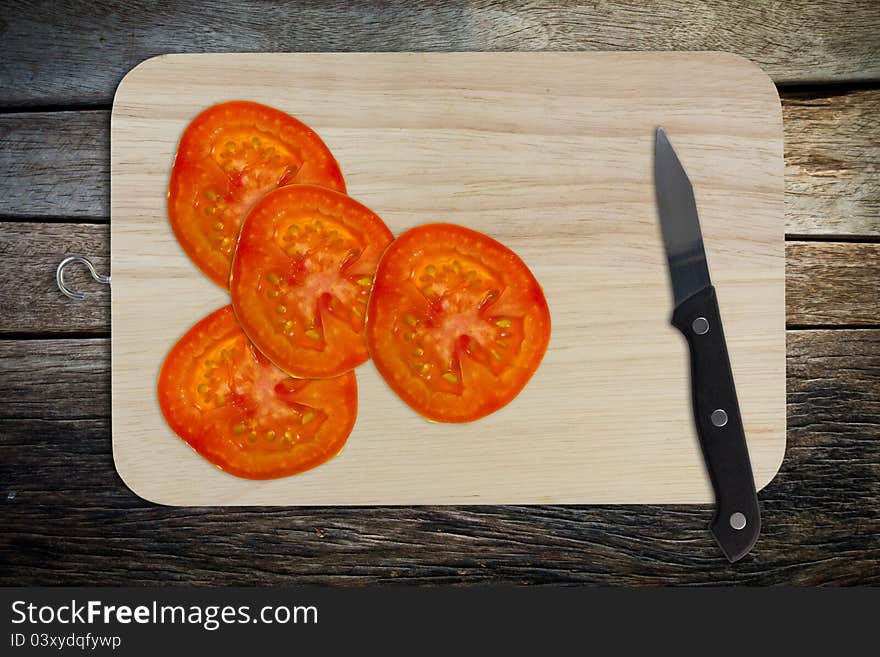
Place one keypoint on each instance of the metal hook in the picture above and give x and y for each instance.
(59, 276)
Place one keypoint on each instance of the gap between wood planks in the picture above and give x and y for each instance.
(825, 89)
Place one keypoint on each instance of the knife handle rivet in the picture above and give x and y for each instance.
(700, 326)
(719, 417)
(737, 521)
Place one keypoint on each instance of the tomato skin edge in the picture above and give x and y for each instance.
(349, 364)
(335, 180)
(541, 338)
(166, 395)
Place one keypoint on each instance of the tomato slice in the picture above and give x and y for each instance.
(457, 323)
(301, 278)
(243, 414)
(227, 159)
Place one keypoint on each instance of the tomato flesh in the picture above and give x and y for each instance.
(228, 158)
(457, 324)
(302, 275)
(243, 414)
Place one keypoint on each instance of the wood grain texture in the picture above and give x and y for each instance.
(55, 164)
(832, 162)
(496, 144)
(68, 519)
(827, 283)
(32, 303)
(56, 379)
(832, 184)
(836, 284)
(76, 52)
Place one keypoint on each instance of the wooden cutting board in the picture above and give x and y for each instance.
(550, 153)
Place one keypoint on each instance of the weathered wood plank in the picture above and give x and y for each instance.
(32, 303)
(56, 164)
(76, 52)
(50, 380)
(832, 162)
(68, 519)
(827, 283)
(832, 283)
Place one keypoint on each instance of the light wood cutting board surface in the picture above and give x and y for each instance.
(550, 153)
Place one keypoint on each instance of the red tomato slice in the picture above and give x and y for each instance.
(243, 414)
(457, 324)
(302, 275)
(227, 159)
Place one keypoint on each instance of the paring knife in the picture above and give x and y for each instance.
(737, 520)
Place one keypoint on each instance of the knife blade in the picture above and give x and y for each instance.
(737, 520)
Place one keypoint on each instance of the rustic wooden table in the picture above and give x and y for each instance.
(67, 518)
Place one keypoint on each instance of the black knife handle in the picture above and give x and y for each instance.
(719, 425)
